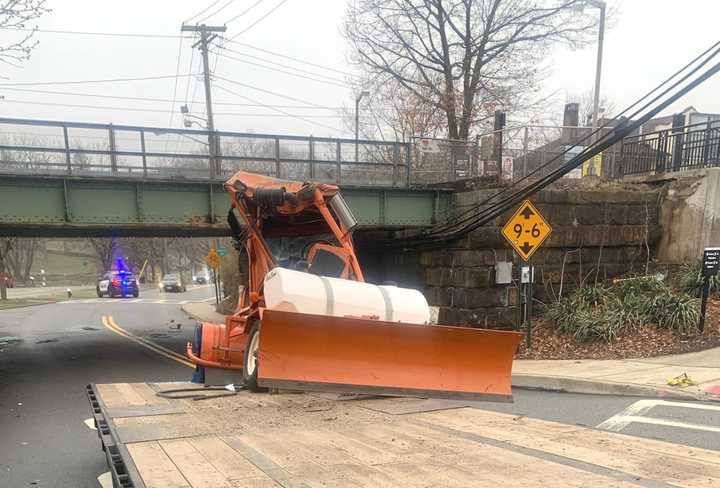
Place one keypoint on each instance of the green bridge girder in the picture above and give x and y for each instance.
(39, 206)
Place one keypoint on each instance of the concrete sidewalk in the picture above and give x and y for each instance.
(203, 311)
(641, 377)
(633, 377)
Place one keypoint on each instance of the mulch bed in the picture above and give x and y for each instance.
(649, 341)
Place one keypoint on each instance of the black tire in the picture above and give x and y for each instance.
(250, 373)
(99, 293)
(136, 293)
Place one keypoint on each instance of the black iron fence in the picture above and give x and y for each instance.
(41, 147)
(676, 149)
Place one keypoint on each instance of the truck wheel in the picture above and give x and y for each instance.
(250, 360)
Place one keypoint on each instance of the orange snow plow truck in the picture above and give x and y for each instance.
(306, 319)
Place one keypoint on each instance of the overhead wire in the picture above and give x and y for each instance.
(278, 70)
(82, 82)
(157, 110)
(175, 86)
(270, 92)
(202, 11)
(299, 117)
(265, 60)
(282, 2)
(590, 135)
(90, 33)
(244, 11)
(152, 99)
(459, 228)
(291, 58)
(226, 5)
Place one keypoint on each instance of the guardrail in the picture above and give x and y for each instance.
(43, 147)
(676, 149)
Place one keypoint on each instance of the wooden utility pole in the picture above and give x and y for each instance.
(206, 37)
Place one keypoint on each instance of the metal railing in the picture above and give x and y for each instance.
(676, 149)
(42, 147)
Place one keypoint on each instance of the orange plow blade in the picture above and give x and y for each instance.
(325, 353)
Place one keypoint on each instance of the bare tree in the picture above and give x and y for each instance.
(105, 250)
(15, 14)
(463, 57)
(20, 258)
(6, 245)
(584, 100)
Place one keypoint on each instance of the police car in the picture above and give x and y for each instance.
(118, 284)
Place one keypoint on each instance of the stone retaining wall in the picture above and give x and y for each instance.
(597, 234)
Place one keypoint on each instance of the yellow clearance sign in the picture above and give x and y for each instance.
(212, 259)
(526, 230)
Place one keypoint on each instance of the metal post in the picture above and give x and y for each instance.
(525, 151)
(311, 157)
(598, 68)
(277, 157)
(703, 302)
(113, 149)
(144, 156)
(706, 144)
(408, 164)
(363, 93)
(396, 156)
(68, 158)
(338, 163)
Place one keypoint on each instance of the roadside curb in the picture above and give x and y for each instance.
(36, 304)
(201, 318)
(592, 387)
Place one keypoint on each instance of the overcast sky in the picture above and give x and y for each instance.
(648, 41)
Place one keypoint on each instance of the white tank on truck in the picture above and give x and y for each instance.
(296, 291)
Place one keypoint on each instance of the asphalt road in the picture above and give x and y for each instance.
(62, 347)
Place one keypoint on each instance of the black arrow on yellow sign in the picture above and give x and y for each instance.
(527, 213)
(526, 247)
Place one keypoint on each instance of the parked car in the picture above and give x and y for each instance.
(9, 281)
(118, 284)
(172, 282)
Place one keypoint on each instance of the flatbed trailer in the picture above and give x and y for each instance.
(326, 440)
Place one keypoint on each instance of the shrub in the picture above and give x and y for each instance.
(690, 280)
(678, 312)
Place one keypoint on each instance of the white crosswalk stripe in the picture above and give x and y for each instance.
(640, 412)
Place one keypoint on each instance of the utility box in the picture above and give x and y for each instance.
(503, 273)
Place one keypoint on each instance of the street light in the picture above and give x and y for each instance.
(598, 69)
(363, 93)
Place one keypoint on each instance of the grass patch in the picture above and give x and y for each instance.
(22, 302)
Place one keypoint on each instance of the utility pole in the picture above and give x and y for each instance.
(598, 68)
(206, 37)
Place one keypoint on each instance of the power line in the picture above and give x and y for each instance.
(282, 2)
(165, 111)
(313, 73)
(177, 72)
(80, 82)
(216, 12)
(163, 100)
(202, 11)
(287, 114)
(327, 82)
(245, 11)
(270, 92)
(101, 34)
(297, 60)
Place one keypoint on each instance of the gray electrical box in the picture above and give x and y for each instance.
(503, 273)
(527, 274)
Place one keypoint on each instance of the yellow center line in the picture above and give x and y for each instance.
(110, 324)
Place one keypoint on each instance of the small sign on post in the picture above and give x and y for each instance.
(212, 259)
(526, 231)
(710, 267)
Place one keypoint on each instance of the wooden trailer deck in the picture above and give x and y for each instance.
(322, 440)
